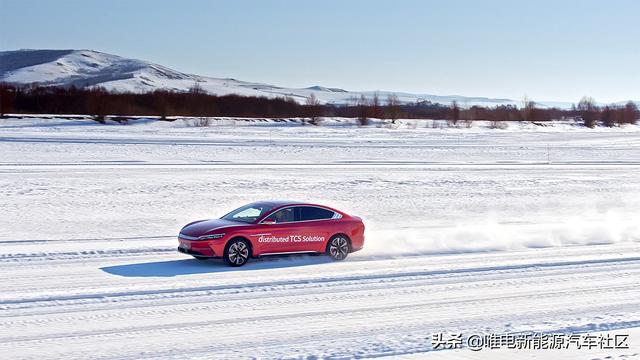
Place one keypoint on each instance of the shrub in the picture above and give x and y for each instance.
(198, 122)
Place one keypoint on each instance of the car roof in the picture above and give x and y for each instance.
(282, 203)
(279, 203)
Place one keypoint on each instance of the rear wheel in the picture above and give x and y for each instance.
(338, 247)
(236, 253)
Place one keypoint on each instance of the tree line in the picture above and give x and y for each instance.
(99, 103)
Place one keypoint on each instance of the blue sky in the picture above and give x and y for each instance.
(546, 50)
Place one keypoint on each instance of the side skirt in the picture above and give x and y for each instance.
(288, 253)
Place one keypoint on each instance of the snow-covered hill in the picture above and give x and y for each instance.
(91, 68)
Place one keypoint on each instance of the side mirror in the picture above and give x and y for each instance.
(268, 221)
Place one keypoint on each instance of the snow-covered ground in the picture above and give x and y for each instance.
(470, 230)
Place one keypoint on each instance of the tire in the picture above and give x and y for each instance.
(338, 247)
(237, 252)
(202, 258)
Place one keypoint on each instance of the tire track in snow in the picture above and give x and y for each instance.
(351, 309)
(285, 297)
(399, 317)
(45, 241)
(316, 281)
(301, 295)
(66, 255)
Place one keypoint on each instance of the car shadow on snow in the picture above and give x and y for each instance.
(192, 266)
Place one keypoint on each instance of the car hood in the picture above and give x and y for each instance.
(202, 227)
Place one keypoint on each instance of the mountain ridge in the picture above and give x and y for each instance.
(87, 68)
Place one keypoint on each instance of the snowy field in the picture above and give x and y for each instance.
(469, 230)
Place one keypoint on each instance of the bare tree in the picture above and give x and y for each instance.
(393, 108)
(363, 110)
(313, 109)
(6, 99)
(196, 88)
(588, 111)
(607, 117)
(96, 104)
(630, 113)
(162, 105)
(376, 109)
(528, 110)
(455, 112)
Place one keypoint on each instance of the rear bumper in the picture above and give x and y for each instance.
(357, 242)
(357, 236)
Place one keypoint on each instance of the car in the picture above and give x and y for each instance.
(273, 228)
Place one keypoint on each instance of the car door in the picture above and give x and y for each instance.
(315, 227)
(274, 234)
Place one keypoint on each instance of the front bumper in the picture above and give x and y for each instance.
(194, 252)
(204, 248)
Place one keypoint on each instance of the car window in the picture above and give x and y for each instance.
(249, 213)
(315, 213)
(282, 216)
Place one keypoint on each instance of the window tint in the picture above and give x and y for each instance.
(314, 213)
(282, 216)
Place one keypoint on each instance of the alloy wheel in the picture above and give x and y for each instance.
(339, 248)
(238, 253)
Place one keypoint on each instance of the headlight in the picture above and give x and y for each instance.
(211, 236)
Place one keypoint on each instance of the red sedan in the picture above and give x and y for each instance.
(273, 228)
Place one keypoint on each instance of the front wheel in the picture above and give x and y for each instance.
(236, 253)
(338, 247)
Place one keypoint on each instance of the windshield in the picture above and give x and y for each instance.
(249, 213)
